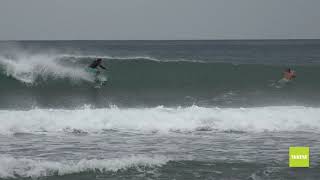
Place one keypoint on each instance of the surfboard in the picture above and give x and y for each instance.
(99, 80)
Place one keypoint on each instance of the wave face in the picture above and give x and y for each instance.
(34, 80)
(147, 72)
(226, 73)
(161, 120)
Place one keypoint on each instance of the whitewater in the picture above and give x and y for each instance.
(22, 167)
(161, 119)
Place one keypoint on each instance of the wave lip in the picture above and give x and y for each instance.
(11, 167)
(71, 56)
(131, 58)
(161, 119)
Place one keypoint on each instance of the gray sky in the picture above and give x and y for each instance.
(158, 19)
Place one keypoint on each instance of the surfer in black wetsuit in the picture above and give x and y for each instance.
(95, 64)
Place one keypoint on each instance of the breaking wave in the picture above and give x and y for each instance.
(161, 119)
(11, 167)
(63, 76)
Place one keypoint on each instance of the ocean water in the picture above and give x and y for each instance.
(169, 110)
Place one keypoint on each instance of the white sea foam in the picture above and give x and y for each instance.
(28, 68)
(11, 167)
(161, 119)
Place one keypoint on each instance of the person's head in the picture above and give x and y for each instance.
(99, 60)
(288, 70)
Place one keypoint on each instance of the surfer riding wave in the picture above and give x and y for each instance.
(94, 67)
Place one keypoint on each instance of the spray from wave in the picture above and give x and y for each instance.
(30, 68)
(161, 119)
